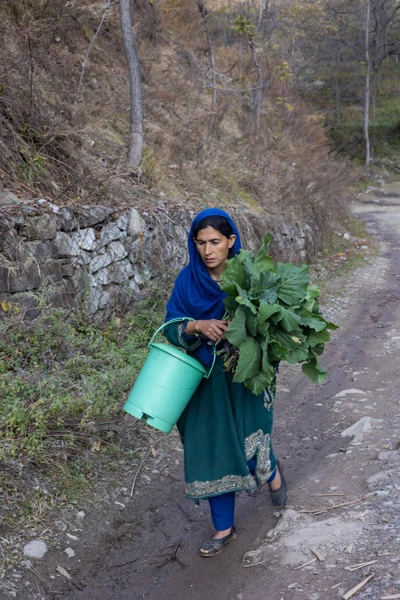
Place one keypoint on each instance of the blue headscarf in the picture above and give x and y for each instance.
(195, 293)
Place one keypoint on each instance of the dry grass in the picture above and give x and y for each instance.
(192, 154)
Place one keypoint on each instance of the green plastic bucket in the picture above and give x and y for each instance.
(164, 386)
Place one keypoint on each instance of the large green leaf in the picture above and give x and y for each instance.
(269, 295)
(259, 382)
(234, 275)
(244, 300)
(317, 337)
(252, 270)
(246, 258)
(266, 286)
(293, 282)
(314, 371)
(245, 255)
(263, 328)
(287, 342)
(251, 322)
(262, 259)
(311, 296)
(318, 349)
(276, 352)
(298, 355)
(236, 333)
(249, 360)
(230, 304)
(315, 322)
(266, 310)
(289, 321)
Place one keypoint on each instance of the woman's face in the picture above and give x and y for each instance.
(213, 247)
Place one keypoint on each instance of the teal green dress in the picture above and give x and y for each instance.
(224, 427)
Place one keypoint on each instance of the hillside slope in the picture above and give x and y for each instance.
(68, 142)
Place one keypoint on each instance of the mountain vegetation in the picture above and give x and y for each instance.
(229, 99)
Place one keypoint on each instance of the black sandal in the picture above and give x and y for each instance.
(279, 496)
(214, 546)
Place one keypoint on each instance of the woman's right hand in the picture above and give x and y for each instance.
(212, 329)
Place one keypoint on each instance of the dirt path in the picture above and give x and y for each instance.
(150, 549)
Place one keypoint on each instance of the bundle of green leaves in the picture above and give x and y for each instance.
(274, 316)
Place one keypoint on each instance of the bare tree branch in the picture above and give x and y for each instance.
(92, 41)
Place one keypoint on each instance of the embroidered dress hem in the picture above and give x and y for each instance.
(257, 446)
(201, 490)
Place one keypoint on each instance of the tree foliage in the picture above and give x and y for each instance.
(338, 50)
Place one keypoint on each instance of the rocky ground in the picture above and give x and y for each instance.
(340, 447)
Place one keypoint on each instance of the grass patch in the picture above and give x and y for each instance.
(347, 135)
(63, 382)
(232, 188)
(343, 254)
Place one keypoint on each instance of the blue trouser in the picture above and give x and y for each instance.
(223, 507)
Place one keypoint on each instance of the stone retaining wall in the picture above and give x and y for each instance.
(104, 258)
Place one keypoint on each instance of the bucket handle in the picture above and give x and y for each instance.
(177, 320)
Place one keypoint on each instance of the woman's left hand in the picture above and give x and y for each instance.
(213, 329)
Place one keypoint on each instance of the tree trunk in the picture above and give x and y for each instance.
(204, 12)
(375, 88)
(337, 93)
(240, 56)
(259, 93)
(135, 86)
(260, 13)
(292, 51)
(367, 88)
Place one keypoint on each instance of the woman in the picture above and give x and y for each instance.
(225, 429)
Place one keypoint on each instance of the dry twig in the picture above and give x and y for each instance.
(173, 557)
(320, 557)
(310, 562)
(7, 586)
(327, 495)
(361, 565)
(124, 564)
(36, 573)
(320, 511)
(355, 589)
(142, 463)
(26, 187)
